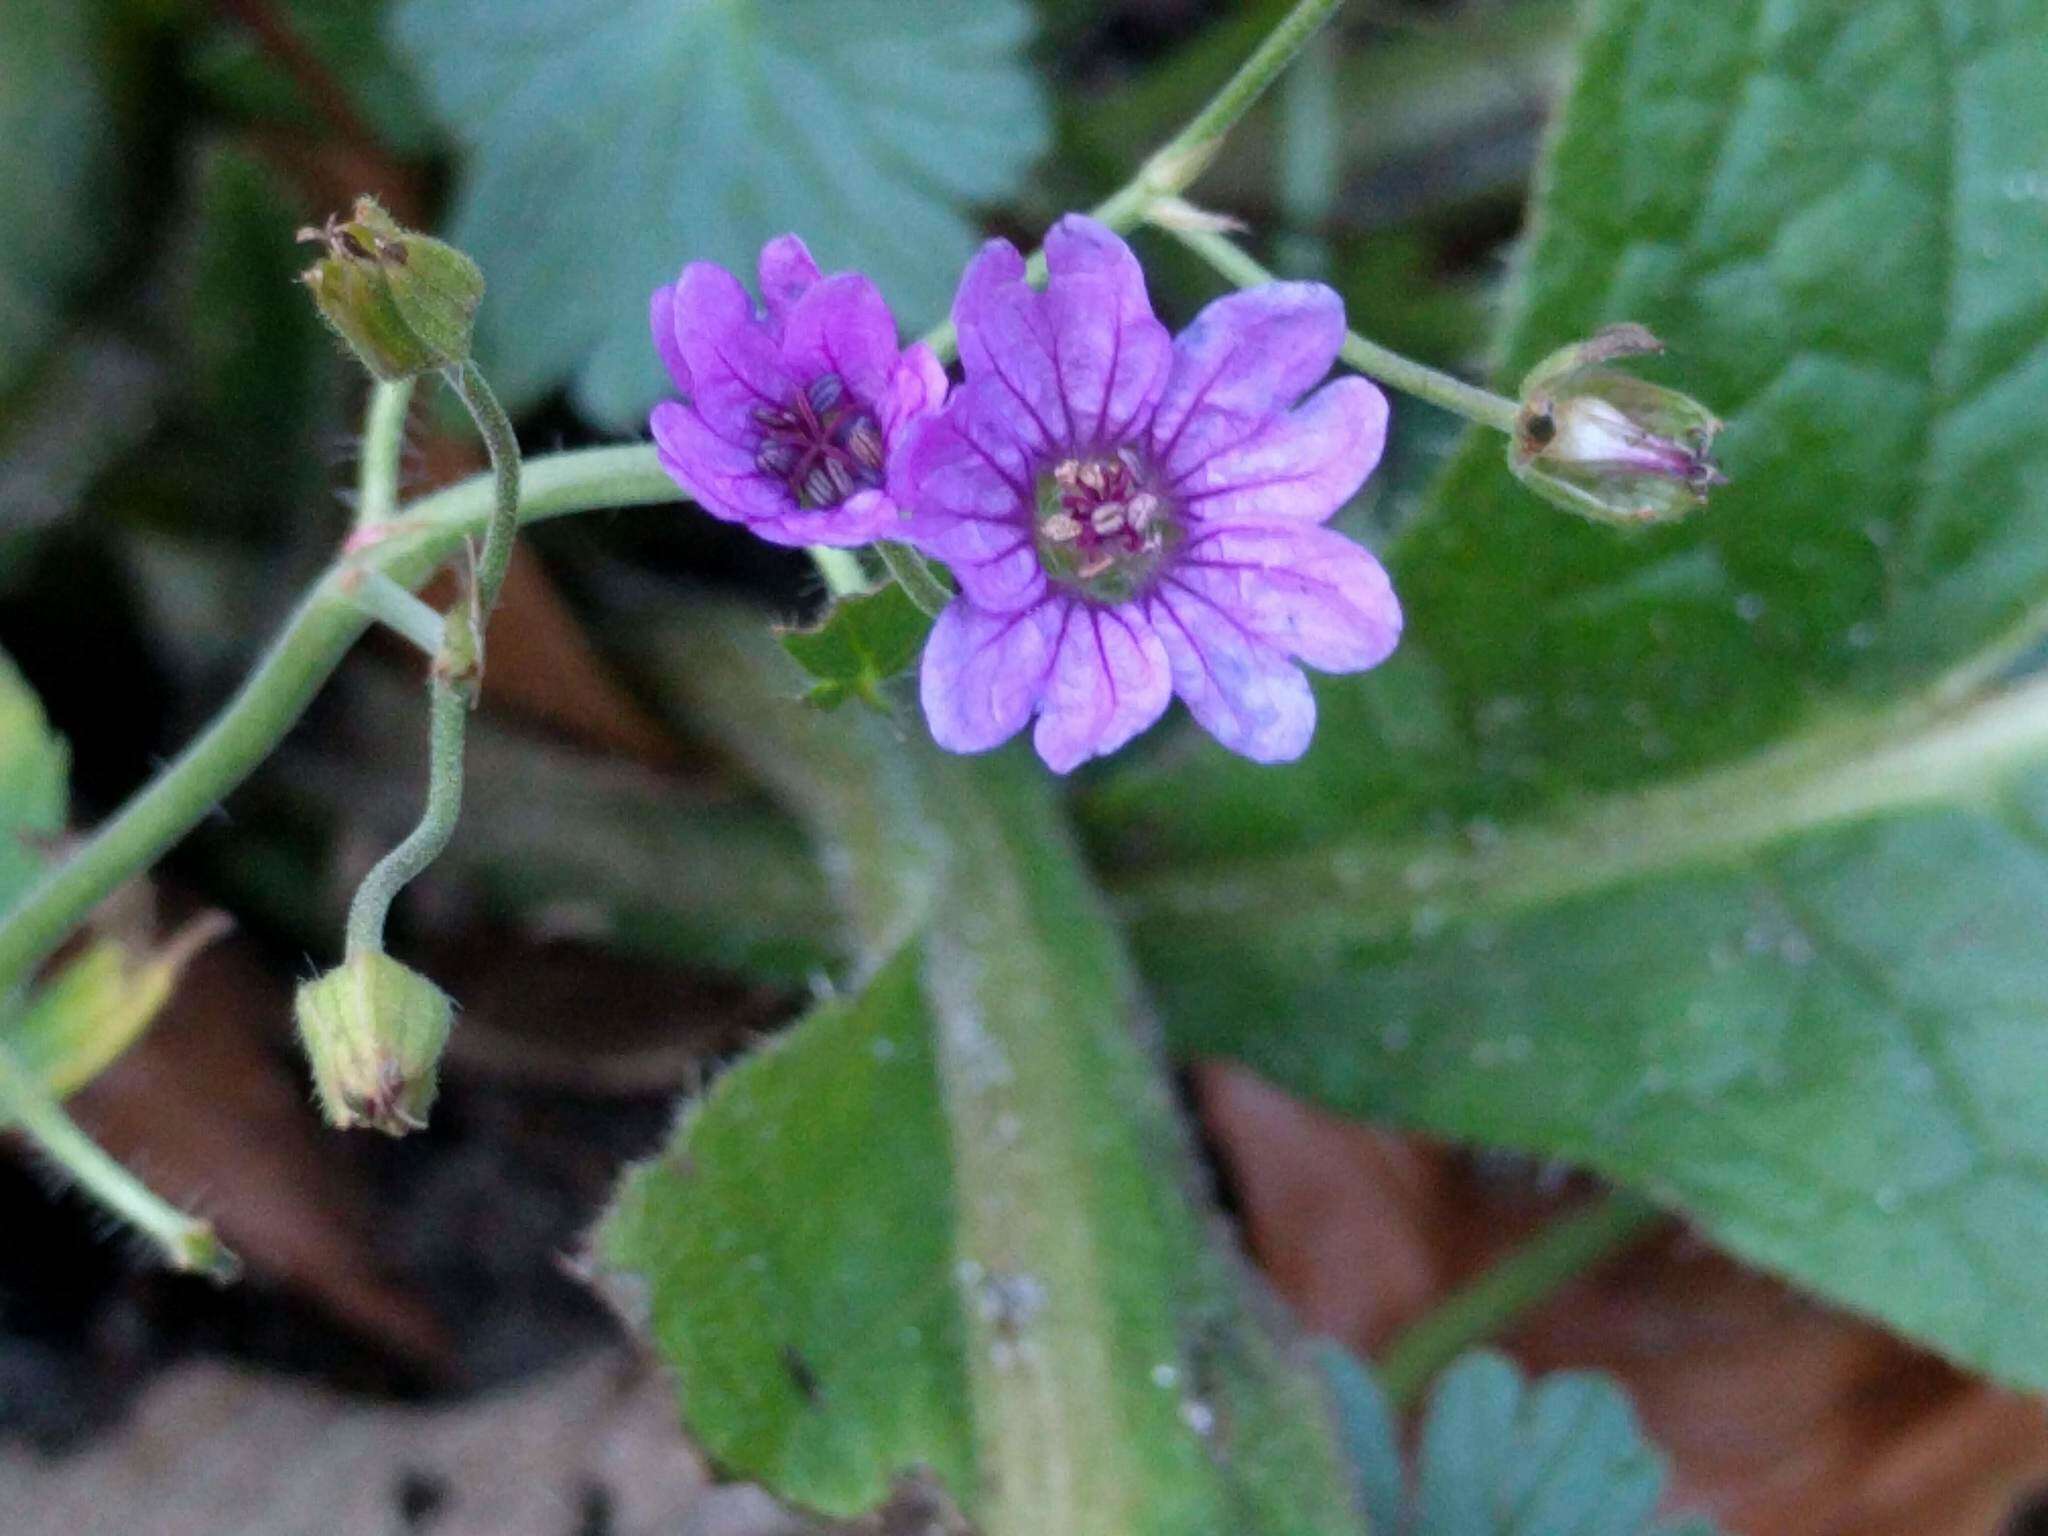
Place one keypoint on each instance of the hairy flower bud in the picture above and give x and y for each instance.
(404, 302)
(373, 1030)
(1607, 445)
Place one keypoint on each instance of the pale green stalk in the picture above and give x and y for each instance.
(383, 448)
(1526, 1278)
(1177, 162)
(1368, 357)
(185, 1241)
(840, 569)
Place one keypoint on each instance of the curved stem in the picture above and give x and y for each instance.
(298, 662)
(448, 721)
(1563, 1251)
(468, 382)
(1368, 357)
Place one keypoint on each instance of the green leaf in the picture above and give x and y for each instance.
(860, 645)
(1502, 1457)
(947, 1224)
(56, 169)
(801, 1290)
(73, 1026)
(1714, 859)
(34, 784)
(608, 144)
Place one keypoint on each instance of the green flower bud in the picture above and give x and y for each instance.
(404, 302)
(1607, 445)
(373, 1031)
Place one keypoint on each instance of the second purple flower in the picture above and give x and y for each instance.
(790, 412)
(1132, 516)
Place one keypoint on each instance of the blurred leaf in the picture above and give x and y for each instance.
(1371, 1436)
(1502, 1457)
(93, 400)
(610, 144)
(75, 1024)
(1795, 993)
(861, 644)
(56, 169)
(34, 774)
(262, 364)
(346, 38)
(945, 1224)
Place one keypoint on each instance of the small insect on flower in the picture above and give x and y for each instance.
(790, 412)
(1132, 515)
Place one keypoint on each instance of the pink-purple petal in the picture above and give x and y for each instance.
(842, 325)
(661, 320)
(786, 271)
(1245, 358)
(982, 673)
(1240, 690)
(862, 518)
(1301, 466)
(734, 363)
(718, 474)
(967, 485)
(1109, 680)
(1304, 590)
(917, 388)
(1110, 354)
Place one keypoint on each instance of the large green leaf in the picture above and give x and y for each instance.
(1801, 998)
(1716, 858)
(947, 1224)
(608, 144)
(56, 159)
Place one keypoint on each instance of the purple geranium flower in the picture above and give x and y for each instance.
(1131, 516)
(791, 414)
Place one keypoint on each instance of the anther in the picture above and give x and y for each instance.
(1060, 528)
(865, 443)
(825, 392)
(1107, 519)
(775, 457)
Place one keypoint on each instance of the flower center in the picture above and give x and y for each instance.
(822, 445)
(1101, 530)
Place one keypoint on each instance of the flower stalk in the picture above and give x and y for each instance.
(1173, 167)
(186, 1242)
(1370, 358)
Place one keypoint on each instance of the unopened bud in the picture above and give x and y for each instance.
(404, 302)
(373, 1030)
(1605, 444)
